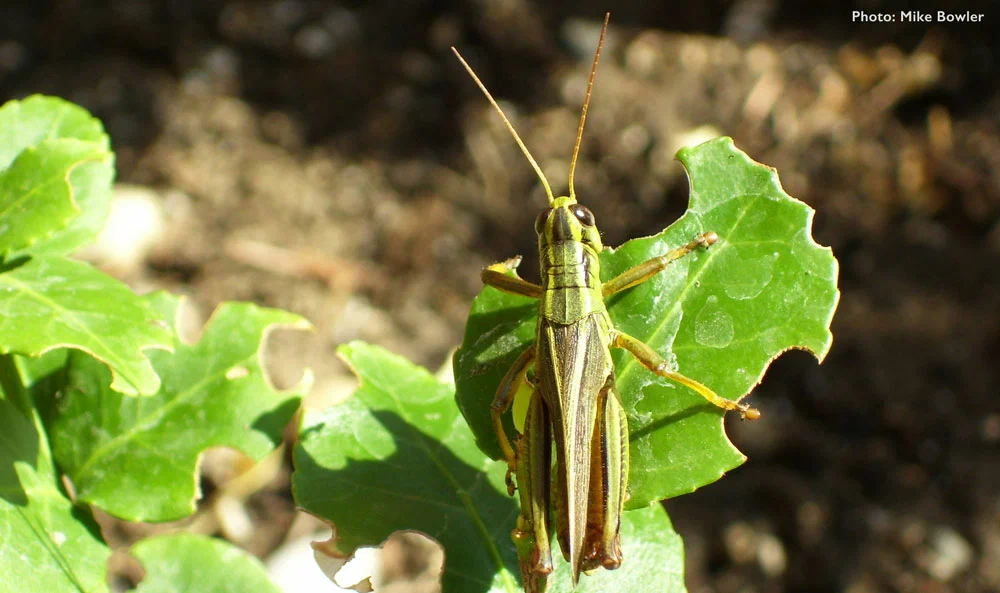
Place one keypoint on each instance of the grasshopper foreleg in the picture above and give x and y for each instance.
(656, 363)
(497, 276)
(649, 268)
(608, 482)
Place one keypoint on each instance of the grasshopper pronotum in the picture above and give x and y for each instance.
(574, 400)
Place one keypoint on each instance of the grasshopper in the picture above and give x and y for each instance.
(574, 401)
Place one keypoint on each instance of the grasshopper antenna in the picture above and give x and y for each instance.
(586, 103)
(524, 149)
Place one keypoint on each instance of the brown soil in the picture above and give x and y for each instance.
(333, 159)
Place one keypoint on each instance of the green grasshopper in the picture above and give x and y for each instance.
(573, 397)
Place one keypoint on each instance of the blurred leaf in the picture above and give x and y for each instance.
(47, 544)
(34, 369)
(50, 303)
(721, 315)
(31, 121)
(398, 456)
(136, 458)
(185, 562)
(56, 169)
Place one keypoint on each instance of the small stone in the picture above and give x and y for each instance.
(771, 555)
(946, 555)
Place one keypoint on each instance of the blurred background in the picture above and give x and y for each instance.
(333, 159)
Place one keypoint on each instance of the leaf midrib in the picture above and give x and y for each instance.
(157, 414)
(467, 502)
(108, 356)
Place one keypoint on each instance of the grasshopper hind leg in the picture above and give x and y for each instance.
(529, 459)
(515, 377)
(656, 363)
(534, 468)
(608, 484)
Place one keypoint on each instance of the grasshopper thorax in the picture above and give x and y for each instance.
(566, 220)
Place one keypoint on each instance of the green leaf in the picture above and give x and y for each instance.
(50, 303)
(653, 559)
(720, 315)
(56, 169)
(398, 456)
(38, 118)
(191, 562)
(136, 457)
(46, 544)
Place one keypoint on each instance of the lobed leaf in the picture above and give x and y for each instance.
(52, 302)
(136, 458)
(721, 316)
(398, 456)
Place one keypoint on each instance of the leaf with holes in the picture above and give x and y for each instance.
(399, 456)
(720, 316)
(136, 457)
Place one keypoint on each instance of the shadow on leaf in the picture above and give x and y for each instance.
(421, 486)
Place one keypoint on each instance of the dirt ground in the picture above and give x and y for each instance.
(333, 159)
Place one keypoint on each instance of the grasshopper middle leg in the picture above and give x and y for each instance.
(649, 268)
(514, 378)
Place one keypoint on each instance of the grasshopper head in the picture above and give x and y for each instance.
(567, 220)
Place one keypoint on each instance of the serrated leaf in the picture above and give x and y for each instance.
(46, 544)
(721, 315)
(56, 169)
(398, 456)
(189, 562)
(136, 457)
(50, 303)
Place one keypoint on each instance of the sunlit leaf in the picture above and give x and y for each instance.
(53, 302)
(56, 169)
(136, 458)
(398, 456)
(720, 315)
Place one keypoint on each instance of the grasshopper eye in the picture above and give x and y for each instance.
(585, 216)
(540, 221)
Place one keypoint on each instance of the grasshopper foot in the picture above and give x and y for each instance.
(512, 263)
(748, 413)
(706, 239)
